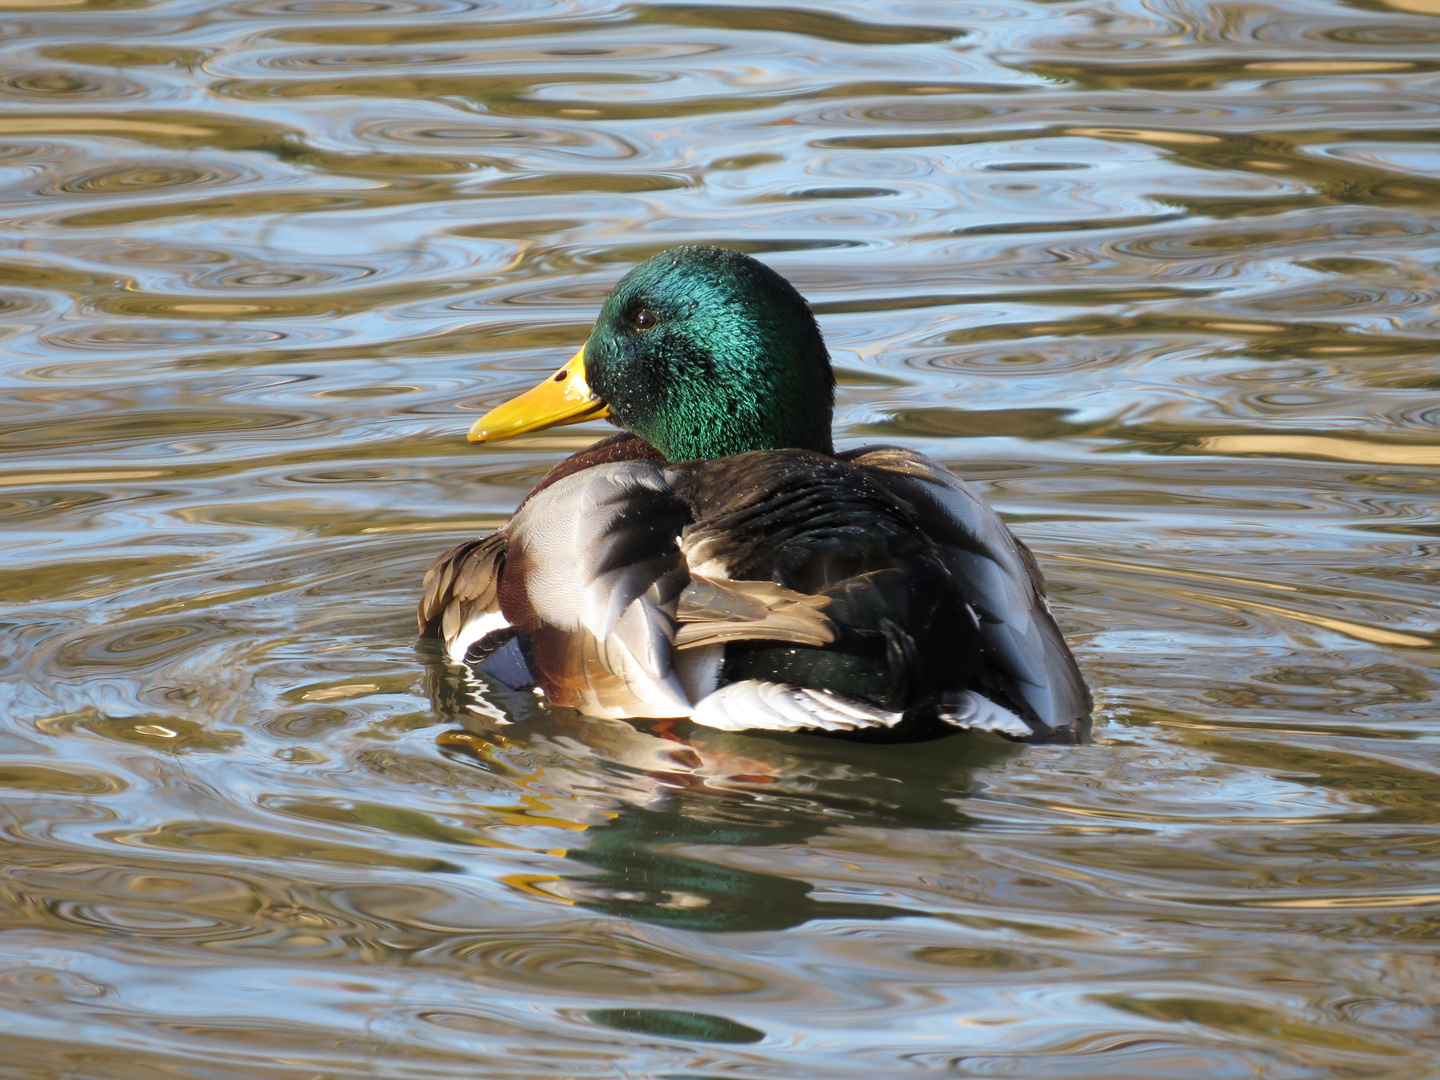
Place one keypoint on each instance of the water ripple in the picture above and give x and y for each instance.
(1159, 280)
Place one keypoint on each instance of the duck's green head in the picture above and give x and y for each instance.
(700, 351)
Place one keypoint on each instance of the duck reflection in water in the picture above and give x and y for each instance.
(644, 796)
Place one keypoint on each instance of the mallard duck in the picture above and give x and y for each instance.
(717, 559)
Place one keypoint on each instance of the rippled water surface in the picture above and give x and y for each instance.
(1159, 275)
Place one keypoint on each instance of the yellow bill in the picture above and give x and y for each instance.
(563, 398)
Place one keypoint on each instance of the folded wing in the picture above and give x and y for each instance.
(1026, 654)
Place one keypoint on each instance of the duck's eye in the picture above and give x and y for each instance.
(644, 319)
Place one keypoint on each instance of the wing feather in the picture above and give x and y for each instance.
(461, 601)
(716, 610)
(753, 704)
(998, 577)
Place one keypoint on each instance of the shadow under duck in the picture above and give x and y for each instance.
(718, 560)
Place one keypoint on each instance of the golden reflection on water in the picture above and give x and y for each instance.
(1161, 279)
(1322, 446)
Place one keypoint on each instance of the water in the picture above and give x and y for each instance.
(1159, 275)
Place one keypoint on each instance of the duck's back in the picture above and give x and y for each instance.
(775, 589)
